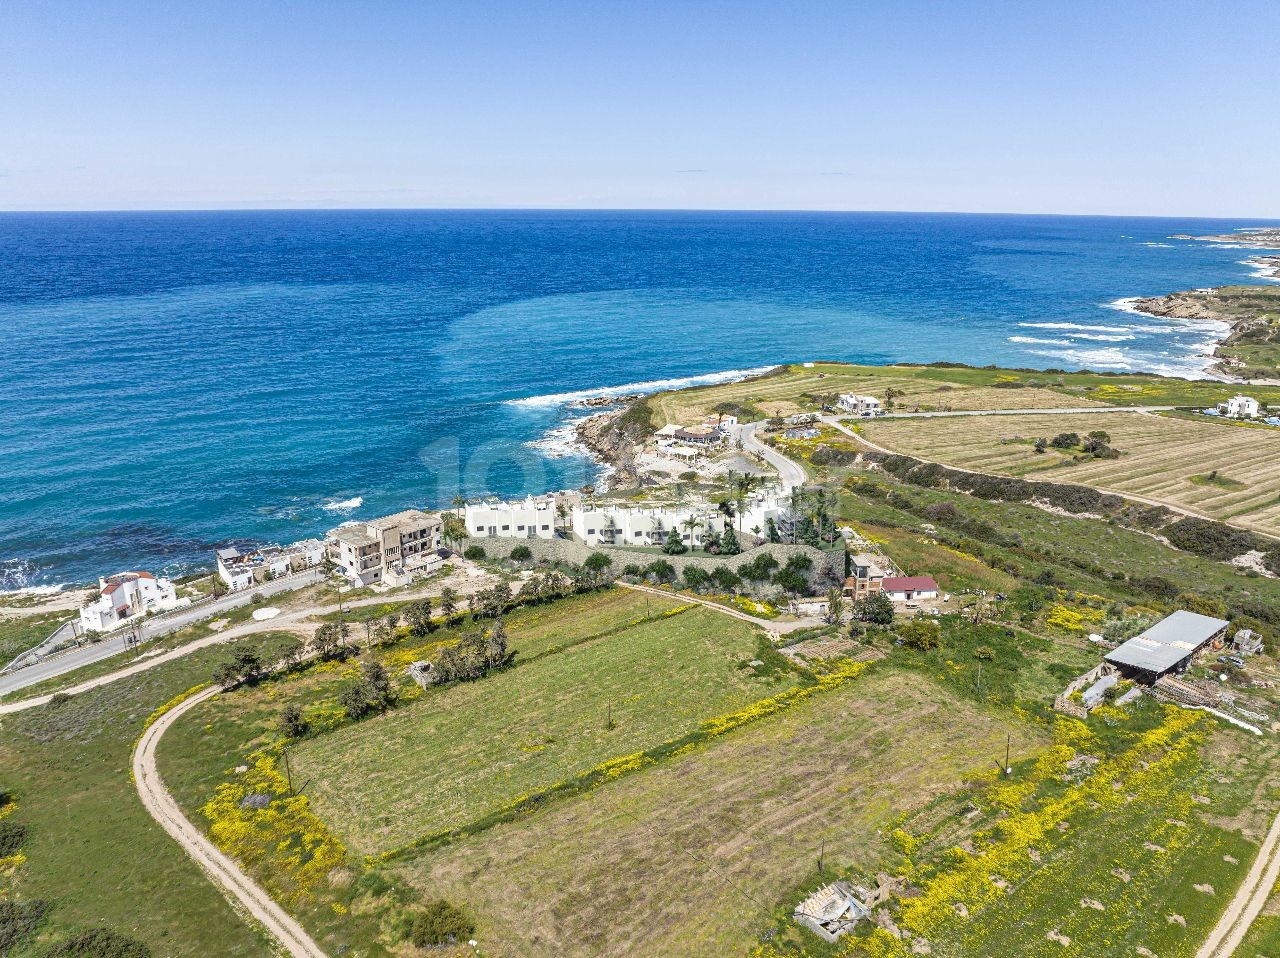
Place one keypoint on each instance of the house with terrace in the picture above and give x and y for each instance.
(125, 596)
(391, 551)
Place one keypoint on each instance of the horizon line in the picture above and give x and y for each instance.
(619, 209)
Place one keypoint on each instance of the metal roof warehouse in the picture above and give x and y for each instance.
(1168, 645)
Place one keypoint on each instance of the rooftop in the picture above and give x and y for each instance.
(1167, 642)
(402, 518)
(910, 583)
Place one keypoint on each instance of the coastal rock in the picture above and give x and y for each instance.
(604, 402)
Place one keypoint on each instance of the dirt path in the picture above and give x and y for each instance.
(774, 628)
(221, 870)
(1248, 901)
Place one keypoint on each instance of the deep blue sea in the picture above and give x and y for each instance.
(172, 381)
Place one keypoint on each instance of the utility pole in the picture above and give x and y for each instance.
(288, 771)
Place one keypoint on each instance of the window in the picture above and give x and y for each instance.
(545, 527)
(506, 528)
(519, 528)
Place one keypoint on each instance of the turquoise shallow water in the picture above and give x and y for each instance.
(172, 381)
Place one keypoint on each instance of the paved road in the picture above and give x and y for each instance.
(293, 621)
(221, 869)
(1015, 412)
(790, 474)
(151, 629)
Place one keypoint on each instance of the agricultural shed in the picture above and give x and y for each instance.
(1167, 646)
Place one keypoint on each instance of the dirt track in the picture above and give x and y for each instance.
(1248, 901)
(221, 870)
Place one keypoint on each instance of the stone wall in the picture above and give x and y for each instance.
(573, 552)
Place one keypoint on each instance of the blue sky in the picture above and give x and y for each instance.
(1118, 107)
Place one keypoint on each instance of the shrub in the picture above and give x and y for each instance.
(1204, 537)
(292, 723)
(920, 634)
(99, 943)
(440, 923)
(660, 570)
(521, 554)
(474, 553)
(940, 512)
(876, 608)
(1065, 440)
(674, 545)
(1157, 587)
(257, 598)
(726, 578)
(11, 836)
(597, 562)
(19, 921)
(632, 570)
(696, 577)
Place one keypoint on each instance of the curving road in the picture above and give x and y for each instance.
(221, 869)
(790, 474)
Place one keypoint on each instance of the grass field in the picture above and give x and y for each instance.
(797, 387)
(19, 633)
(92, 849)
(1142, 850)
(691, 858)
(477, 746)
(1160, 458)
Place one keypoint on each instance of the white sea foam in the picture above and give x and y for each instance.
(654, 385)
(1040, 342)
(345, 505)
(1105, 358)
(561, 441)
(1079, 326)
(1262, 270)
(1103, 337)
(1161, 245)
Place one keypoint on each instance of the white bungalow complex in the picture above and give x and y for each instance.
(1240, 407)
(606, 524)
(859, 405)
(532, 518)
(391, 550)
(243, 568)
(125, 596)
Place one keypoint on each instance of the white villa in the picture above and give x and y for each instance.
(391, 550)
(124, 596)
(243, 569)
(1240, 407)
(609, 524)
(859, 405)
(531, 518)
(644, 525)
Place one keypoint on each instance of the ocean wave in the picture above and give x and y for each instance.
(551, 400)
(1039, 342)
(1104, 337)
(1262, 270)
(345, 505)
(1161, 245)
(560, 442)
(1109, 357)
(1084, 327)
(21, 575)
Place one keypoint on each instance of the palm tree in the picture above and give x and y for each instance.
(743, 487)
(693, 523)
(797, 503)
(459, 502)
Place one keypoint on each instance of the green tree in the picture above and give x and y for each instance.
(660, 570)
(729, 543)
(521, 554)
(1065, 440)
(919, 634)
(448, 601)
(875, 608)
(674, 545)
(292, 723)
(771, 530)
(696, 577)
(417, 615)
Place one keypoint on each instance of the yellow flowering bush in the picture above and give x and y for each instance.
(1067, 620)
(284, 843)
(172, 704)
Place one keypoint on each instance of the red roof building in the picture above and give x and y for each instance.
(911, 587)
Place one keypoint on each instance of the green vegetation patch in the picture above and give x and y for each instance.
(478, 746)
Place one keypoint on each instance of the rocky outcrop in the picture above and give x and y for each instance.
(1252, 312)
(607, 440)
(605, 402)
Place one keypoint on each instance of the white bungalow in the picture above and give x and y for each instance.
(857, 405)
(528, 519)
(1240, 407)
(124, 596)
(245, 568)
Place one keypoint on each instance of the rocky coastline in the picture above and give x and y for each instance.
(602, 436)
(1251, 312)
